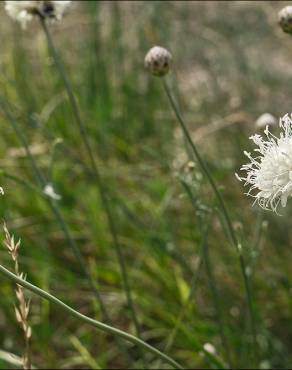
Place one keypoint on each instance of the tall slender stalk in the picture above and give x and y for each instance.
(58, 215)
(222, 206)
(217, 304)
(212, 284)
(101, 188)
(97, 324)
(53, 205)
(183, 309)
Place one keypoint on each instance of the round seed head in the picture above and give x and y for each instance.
(158, 61)
(285, 19)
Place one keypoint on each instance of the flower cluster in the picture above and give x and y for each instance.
(25, 11)
(269, 174)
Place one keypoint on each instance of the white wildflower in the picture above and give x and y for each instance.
(24, 11)
(50, 192)
(266, 119)
(269, 174)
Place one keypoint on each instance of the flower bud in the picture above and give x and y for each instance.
(265, 119)
(285, 19)
(158, 61)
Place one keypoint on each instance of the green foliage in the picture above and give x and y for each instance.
(231, 64)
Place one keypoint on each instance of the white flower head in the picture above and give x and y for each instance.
(24, 11)
(269, 174)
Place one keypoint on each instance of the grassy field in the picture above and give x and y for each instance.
(232, 63)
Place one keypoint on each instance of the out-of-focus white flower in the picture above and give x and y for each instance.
(269, 174)
(285, 19)
(50, 192)
(265, 119)
(24, 11)
(158, 61)
(208, 347)
(1, 190)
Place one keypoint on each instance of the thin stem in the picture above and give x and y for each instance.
(183, 309)
(58, 215)
(23, 142)
(212, 284)
(53, 205)
(222, 206)
(102, 191)
(217, 304)
(97, 324)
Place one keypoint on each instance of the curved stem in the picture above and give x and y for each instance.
(58, 215)
(54, 207)
(102, 191)
(97, 324)
(221, 203)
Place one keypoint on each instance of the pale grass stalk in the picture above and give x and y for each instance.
(223, 209)
(22, 311)
(102, 190)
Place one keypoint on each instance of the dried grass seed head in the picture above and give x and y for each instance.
(23, 308)
(285, 19)
(158, 61)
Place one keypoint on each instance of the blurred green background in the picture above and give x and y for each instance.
(231, 64)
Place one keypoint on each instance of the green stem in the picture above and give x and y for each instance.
(222, 206)
(53, 205)
(217, 304)
(58, 215)
(212, 283)
(102, 191)
(22, 139)
(183, 309)
(97, 324)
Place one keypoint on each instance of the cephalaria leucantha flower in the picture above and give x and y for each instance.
(269, 174)
(24, 11)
